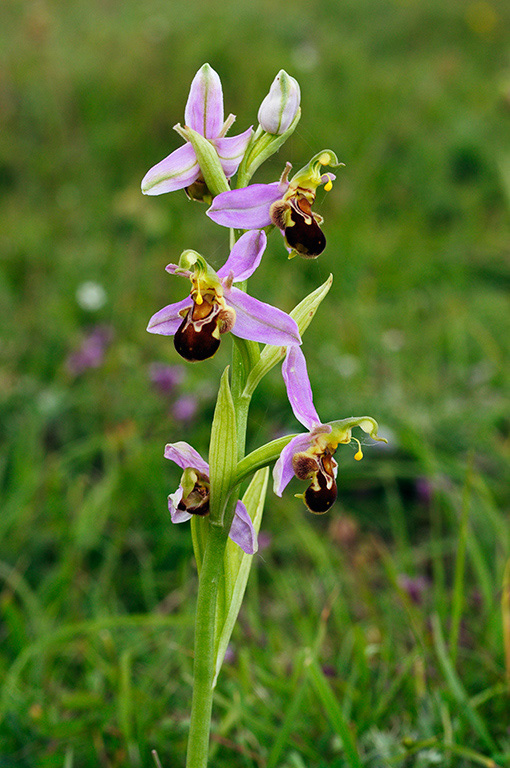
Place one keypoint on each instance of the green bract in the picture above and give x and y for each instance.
(262, 146)
(208, 161)
(222, 450)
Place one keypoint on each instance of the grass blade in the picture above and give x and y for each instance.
(333, 711)
(455, 686)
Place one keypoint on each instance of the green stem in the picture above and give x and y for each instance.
(261, 457)
(244, 356)
(239, 360)
(203, 669)
(211, 573)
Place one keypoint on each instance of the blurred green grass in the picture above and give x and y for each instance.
(97, 589)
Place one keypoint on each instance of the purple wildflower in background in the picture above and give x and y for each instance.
(90, 353)
(230, 654)
(203, 114)
(329, 670)
(424, 490)
(414, 586)
(165, 378)
(192, 496)
(265, 540)
(185, 408)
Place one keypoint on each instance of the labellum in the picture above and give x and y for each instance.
(198, 336)
(294, 217)
(320, 496)
(303, 233)
(197, 501)
(199, 191)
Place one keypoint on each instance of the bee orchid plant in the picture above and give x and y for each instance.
(224, 527)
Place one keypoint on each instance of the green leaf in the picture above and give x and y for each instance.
(237, 566)
(261, 457)
(456, 687)
(222, 450)
(303, 313)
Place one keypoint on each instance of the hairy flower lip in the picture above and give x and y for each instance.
(197, 340)
(321, 494)
(303, 233)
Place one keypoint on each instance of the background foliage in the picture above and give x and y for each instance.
(372, 636)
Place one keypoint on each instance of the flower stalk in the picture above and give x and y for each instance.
(218, 305)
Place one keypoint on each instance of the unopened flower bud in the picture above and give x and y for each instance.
(280, 107)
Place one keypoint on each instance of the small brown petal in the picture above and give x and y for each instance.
(278, 213)
(227, 318)
(304, 465)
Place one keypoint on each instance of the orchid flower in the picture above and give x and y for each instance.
(215, 307)
(203, 114)
(286, 204)
(309, 456)
(192, 496)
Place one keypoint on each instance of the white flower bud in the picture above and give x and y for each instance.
(281, 104)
